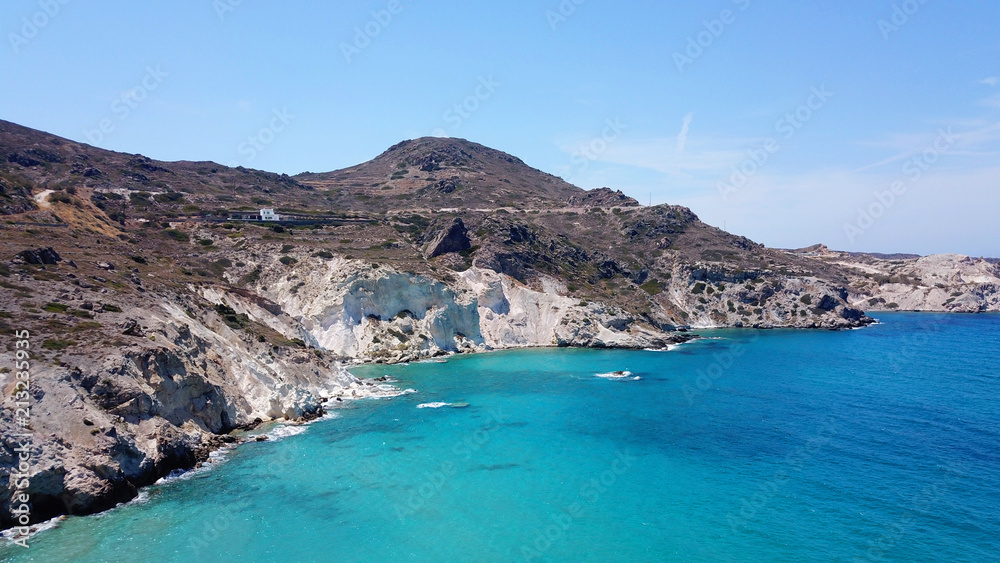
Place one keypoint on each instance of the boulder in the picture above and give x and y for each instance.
(132, 327)
(448, 186)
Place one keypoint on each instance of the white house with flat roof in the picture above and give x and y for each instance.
(269, 215)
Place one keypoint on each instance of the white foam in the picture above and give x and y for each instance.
(143, 496)
(221, 455)
(10, 535)
(327, 415)
(218, 455)
(433, 405)
(215, 457)
(389, 393)
(371, 390)
(615, 375)
(285, 431)
(175, 474)
(667, 348)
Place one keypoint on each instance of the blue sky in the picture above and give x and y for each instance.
(827, 108)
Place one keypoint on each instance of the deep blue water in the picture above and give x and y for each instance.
(881, 444)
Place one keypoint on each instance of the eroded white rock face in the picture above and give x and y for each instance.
(268, 387)
(355, 310)
(512, 315)
(369, 313)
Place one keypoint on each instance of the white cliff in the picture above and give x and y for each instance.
(354, 310)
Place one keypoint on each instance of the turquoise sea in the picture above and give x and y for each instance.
(880, 444)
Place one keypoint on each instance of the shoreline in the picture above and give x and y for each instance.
(214, 454)
(214, 451)
(327, 408)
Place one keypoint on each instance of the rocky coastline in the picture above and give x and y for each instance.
(161, 324)
(171, 374)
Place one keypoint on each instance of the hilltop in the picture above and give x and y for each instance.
(432, 173)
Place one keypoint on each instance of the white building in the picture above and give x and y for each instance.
(269, 215)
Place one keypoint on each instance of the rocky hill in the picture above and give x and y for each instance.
(432, 173)
(158, 327)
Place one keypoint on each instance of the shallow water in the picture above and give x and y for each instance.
(874, 444)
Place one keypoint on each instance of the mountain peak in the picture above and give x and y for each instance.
(443, 172)
(433, 153)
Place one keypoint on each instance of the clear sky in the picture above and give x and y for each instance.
(664, 100)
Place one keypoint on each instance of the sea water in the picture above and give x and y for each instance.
(880, 444)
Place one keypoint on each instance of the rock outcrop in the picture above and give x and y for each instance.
(15, 199)
(712, 299)
(603, 197)
(454, 238)
(38, 256)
